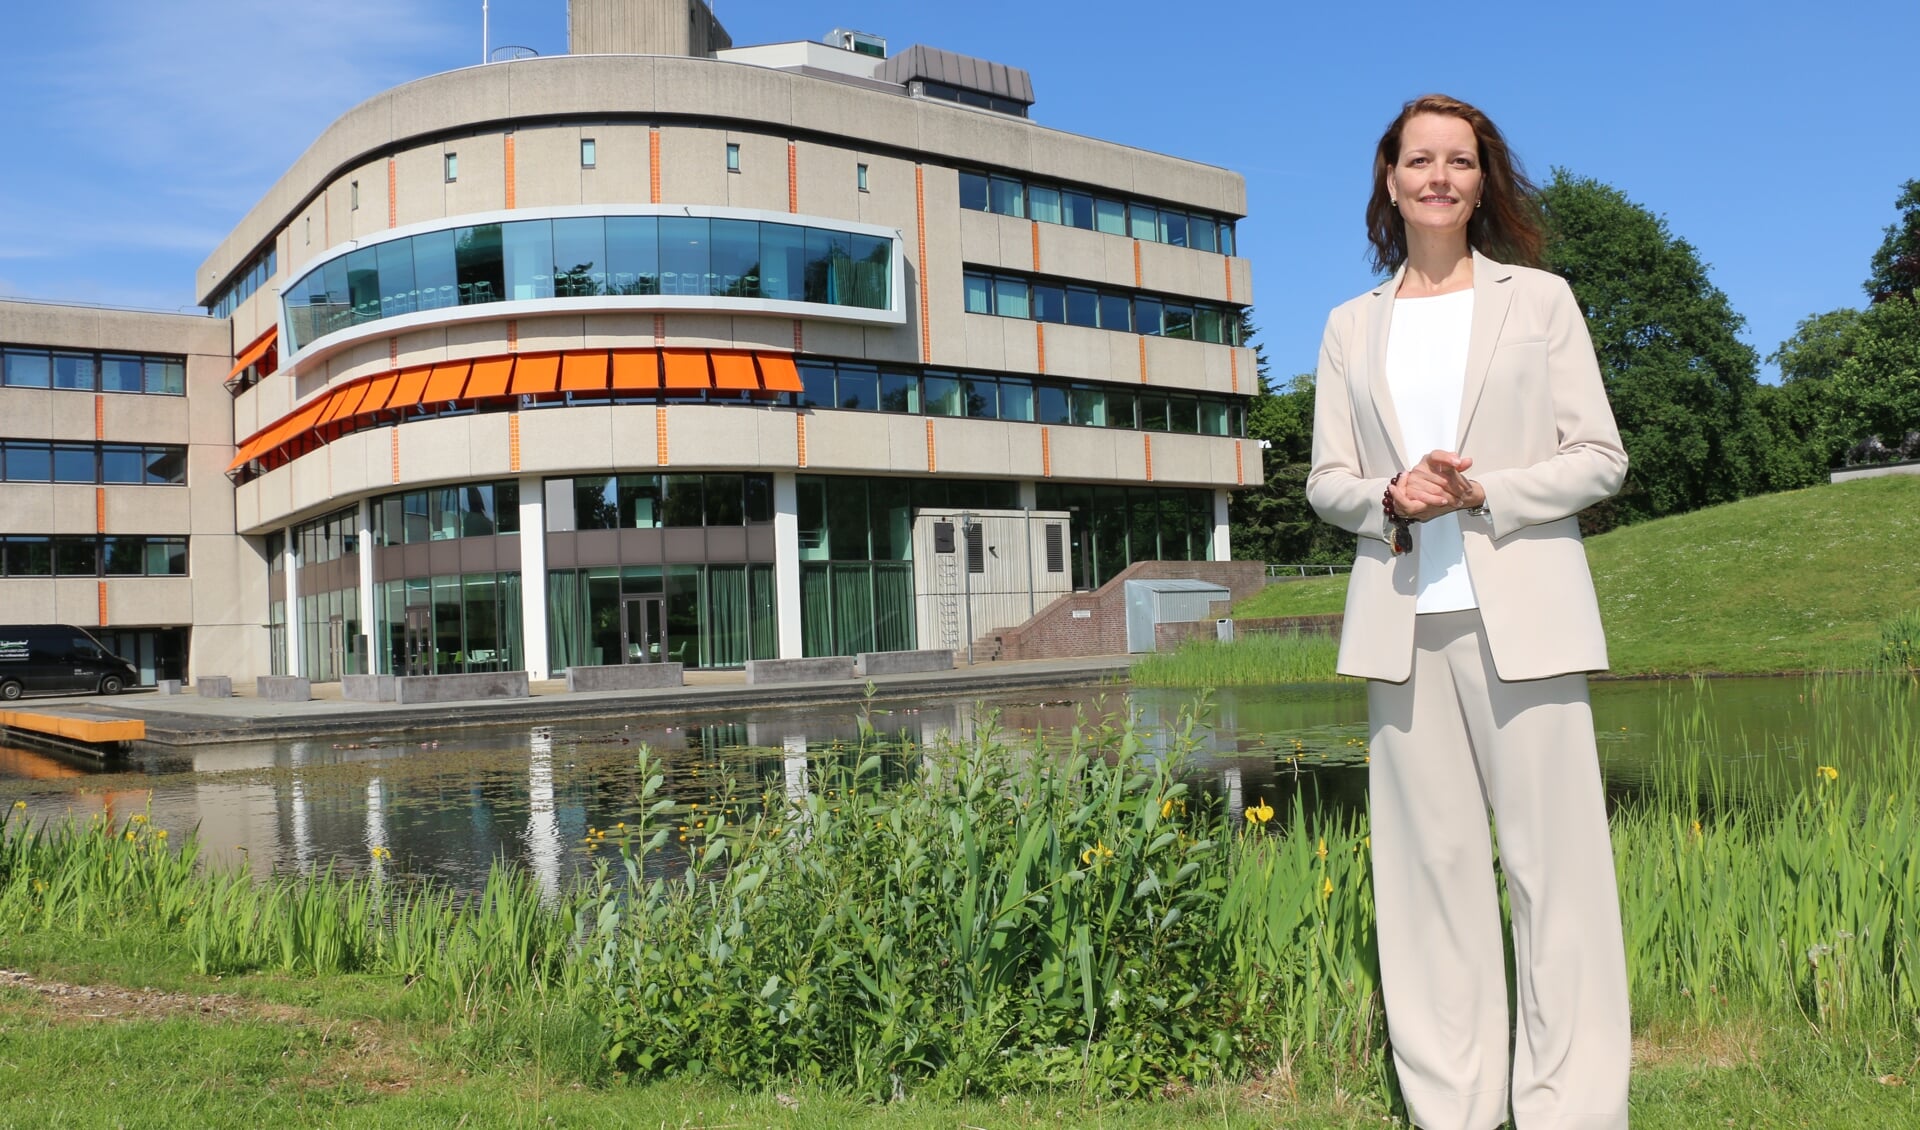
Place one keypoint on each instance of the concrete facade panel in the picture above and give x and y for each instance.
(74, 510)
(620, 172)
(1178, 270)
(448, 101)
(489, 450)
(852, 441)
(553, 440)
(1020, 345)
(147, 510)
(1123, 356)
(72, 415)
(945, 299)
(969, 138)
(778, 439)
(830, 108)
(772, 334)
(210, 496)
(1081, 353)
(1075, 254)
(980, 237)
(725, 90)
(633, 436)
(986, 342)
(563, 84)
(546, 162)
(156, 601)
(132, 418)
(623, 331)
(75, 602)
(693, 165)
(26, 508)
(825, 180)
(28, 412)
(436, 450)
(1185, 460)
(1193, 365)
(711, 436)
(762, 180)
(424, 346)
(481, 174)
(369, 218)
(31, 601)
(1025, 457)
(419, 186)
(974, 448)
(1087, 453)
(543, 335)
(889, 200)
(699, 331)
(348, 471)
(834, 339)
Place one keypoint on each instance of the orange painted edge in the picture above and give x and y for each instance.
(513, 441)
(99, 416)
(1233, 366)
(1036, 245)
(513, 335)
(660, 434)
(1239, 468)
(393, 194)
(103, 604)
(793, 177)
(1040, 344)
(507, 141)
(1227, 265)
(799, 336)
(653, 166)
(99, 510)
(1046, 453)
(1143, 358)
(1148, 438)
(394, 436)
(920, 225)
(1136, 264)
(930, 464)
(659, 330)
(77, 729)
(800, 438)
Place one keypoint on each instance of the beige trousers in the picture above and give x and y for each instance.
(1448, 745)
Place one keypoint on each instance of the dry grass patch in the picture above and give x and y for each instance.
(1684, 1043)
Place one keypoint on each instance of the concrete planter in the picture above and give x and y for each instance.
(901, 662)
(367, 688)
(821, 669)
(283, 688)
(627, 677)
(460, 688)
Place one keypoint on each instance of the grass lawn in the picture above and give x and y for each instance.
(1783, 582)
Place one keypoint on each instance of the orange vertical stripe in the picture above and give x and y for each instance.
(800, 436)
(394, 437)
(103, 604)
(1040, 343)
(920, 225)
(1136, 264)
(99, 510)
(508, 142)
(1046, 453)
(99, 416)
(660, 433)
(799, 338)
(393, 352)
(1148, 438)
(393, 194)
(653, 165)
(1228, 265)
(659, 329)
(793, 177)
(1233, 367)
(513, 441)
(930, 466)
(1036, 245)
(513, 335)
(1239, 469)
(1143, 358)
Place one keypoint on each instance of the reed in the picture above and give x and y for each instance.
(1266, 658)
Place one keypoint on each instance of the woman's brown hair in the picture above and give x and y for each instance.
(1507, 224)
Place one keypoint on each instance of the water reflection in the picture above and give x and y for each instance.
(448, 808)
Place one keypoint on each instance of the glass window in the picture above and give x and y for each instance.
(166, 465)
(398, 294)
(639, 505)
(596, 503)
(1183, 415)
(633, 255)
(1146, 315)
(28, 557)
(973, 191)
(1083, 307)
(1049, 303)
(164, 375)
(1076, 209)
(28, 370)
(724, 503)
(1052, 404)
(1200, 234)
(829, 273)
(686, 259)
(1120, 408)
(1016, 399)
(983, 398)
(860, 178)
(979, 290)
(527, 249)
(899, 392)
(76, 557)
(1179, 321)
(126, 557)
(1043, 204)
(477, 264)
(451, 167)
(1206, 324)
(1143, 222)
(579, 257)
(847, 526)
(1213, 418)
(1116, 312)
(122, 465)
(1173, 228)
(943, 395)
(816, 384)
(859, 388)
(73, 370)
(810, 499)
(759, 498)
(871, 259)
(1088, 406)
(120, 374)
(1010, 297)
(736, 259)
(890, 518)
(29, 462)
(73, 464)
(589, 153)
(166, 557)
(1153, 412)
(1006, 196)
(783, 261)
(435, 271)
(733, 156)
(1226, 237)
(1110, 216)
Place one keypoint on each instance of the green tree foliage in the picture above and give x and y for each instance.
(1681, 381)
(1896, 265)
(1272, 522)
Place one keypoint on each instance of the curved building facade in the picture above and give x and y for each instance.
(641, 354)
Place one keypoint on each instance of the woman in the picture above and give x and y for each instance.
(1460, 424)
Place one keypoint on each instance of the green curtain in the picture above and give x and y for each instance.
(893, 608)
(852, 608)
(726, 615)
(512, 629)
(763, 617)
(816, 610)
(565, 626)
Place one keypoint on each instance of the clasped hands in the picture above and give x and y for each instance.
(1437, 485)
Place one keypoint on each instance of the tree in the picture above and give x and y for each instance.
(1681, 381)
(1896, 265)
(1272, 522)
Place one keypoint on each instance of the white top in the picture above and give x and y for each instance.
(1427, 375)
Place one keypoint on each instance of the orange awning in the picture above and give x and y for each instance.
(330, 402)
(777, 372)
(411, 387)
(635, 369)
(584, 372)
(734, 371)
(254, 352)
(489, 377)
(687, 370)
(346, 402)
(379, 393)
(446, 382)
(294, 424)
(536, 372)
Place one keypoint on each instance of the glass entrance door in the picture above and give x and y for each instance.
(418, 641)
(643, 629)
(336, 648)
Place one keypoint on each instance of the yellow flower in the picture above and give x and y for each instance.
(379, 853)
(19, 804)
(1259, 812)
(1321, 851)
(1828, 772)
(1696, 827)
(1098, 853)
(1166, 808)
(1326, 888)
(162, 833)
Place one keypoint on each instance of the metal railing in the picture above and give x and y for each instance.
(1295, 572)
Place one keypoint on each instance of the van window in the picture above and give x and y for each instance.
(84, 648)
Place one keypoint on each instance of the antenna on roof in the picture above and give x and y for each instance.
(485, 55)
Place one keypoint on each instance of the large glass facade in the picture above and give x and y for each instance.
(39, 461)
(450, 624)
(1059, 204)
(590, 256)
(458, 510)
(1115, 526)
(703, 615)
(66, 555)
(1045, 300)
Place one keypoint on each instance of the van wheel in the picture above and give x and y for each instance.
(11, 690)
(110, 685)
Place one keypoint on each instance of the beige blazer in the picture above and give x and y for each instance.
(1534, 418)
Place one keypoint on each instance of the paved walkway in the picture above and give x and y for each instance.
(188, 719)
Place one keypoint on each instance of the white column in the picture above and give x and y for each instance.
(1222, 547)
(786, 562)
(533, 577)
(1029, 495)
(289, 565)
(367, 605)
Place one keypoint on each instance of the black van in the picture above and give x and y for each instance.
(55, 657)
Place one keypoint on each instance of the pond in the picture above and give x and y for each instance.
(446, 807)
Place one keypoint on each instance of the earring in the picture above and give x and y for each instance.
(1393, 202)
(1477, 203)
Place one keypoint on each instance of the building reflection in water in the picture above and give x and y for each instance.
(545, 851)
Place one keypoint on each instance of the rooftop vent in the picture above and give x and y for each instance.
(931, 73)
(858, 42)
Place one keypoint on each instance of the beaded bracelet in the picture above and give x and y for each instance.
(1402, 539)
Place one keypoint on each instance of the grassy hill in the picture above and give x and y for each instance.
(1784, 582)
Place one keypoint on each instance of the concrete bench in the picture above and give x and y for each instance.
(214, 686)
(167, 686)
(460, 688)
(283, 688)
(367, 688)
(626, 676)
(819, 669)
(901, 662)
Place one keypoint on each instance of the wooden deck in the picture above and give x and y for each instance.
(85, 731)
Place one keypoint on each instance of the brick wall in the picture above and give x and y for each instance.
(1056, 632)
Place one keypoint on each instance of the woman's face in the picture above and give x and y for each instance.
(1436, 184)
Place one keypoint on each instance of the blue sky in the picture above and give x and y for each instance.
(1773, 137)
